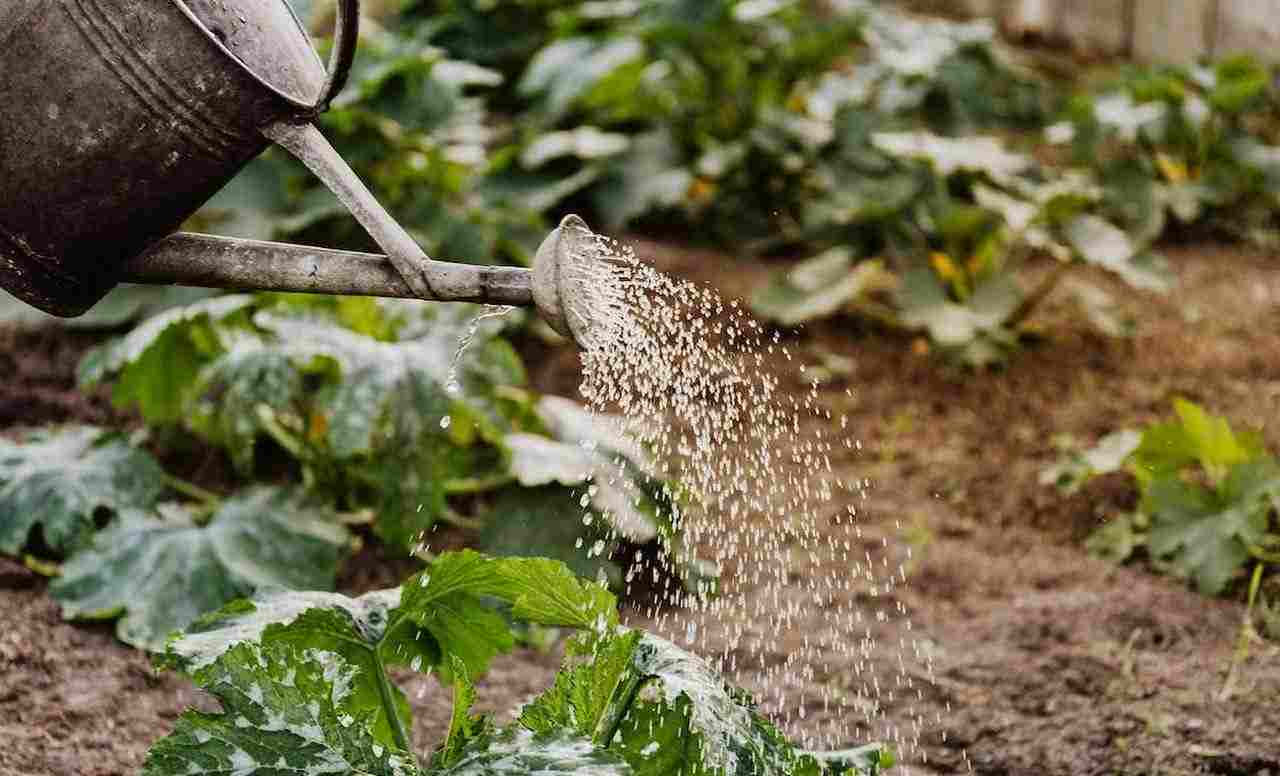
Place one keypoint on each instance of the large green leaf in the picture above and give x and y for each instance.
(984, 156)
(1100, 242)
(818, 287)
(248, 377)
(518, 753)
(58, 479)
(154, 364)
(1208, 534)
(547, 522)
(974, 329)
(1195, 438)
(437, 616)
(667, 711)
(159, 571)
(284, 711)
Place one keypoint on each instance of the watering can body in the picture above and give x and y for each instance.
(120, 118)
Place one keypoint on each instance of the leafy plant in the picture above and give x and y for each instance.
(1186, 145)
(380, 411)
(1209, 498)
(61, 480)
(158, 571)
(302, 681)
(947, 266)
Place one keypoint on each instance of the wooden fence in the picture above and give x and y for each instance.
(1147, 30)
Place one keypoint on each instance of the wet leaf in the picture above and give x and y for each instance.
(667, 711)
(282, 711)
(517, 753)
(58, 479)
(435, 617)
(159, 571)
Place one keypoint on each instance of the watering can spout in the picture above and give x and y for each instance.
(120, 118)
(221, 262)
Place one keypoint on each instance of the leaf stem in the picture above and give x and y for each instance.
(616, 712)
(1247, 635)
(191, 490)
(398, 732)
(461, 521)
(1038, 295)
(468, 485)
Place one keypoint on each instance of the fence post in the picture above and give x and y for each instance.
(1098, 27)
(1172, 30)
(1248, 25)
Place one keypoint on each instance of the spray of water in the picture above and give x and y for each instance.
(703, 386)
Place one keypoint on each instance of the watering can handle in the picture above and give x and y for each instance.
(345, 35)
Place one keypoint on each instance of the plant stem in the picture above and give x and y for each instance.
(1247, 634)
(611, 722)
(461, 521)
(467, 485)
(1037, 295)
(191, 490)
(389, 704)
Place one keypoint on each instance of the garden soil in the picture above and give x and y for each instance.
(1045, 661)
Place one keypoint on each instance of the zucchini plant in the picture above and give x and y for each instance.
(303, 686)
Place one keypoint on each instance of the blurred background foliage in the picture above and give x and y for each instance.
(920, 161)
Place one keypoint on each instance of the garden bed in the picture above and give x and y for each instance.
(1049, 661)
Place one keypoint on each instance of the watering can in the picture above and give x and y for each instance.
(120, 118)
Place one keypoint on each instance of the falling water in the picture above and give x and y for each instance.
(701, 384)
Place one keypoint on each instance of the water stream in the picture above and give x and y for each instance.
(724, 406)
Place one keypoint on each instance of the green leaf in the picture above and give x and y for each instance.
(1207, 534)
(283, 711)
(153, 365)
(357, 629)
(1115, 540)
(978, 155)
(437, 617)
(666, 711)
(59, 479)
(818, 287)
(1076, 468)
(158, 572)
(249, 376)
(546, 522)
(1197, 437)
(1097, 241)
(443, 600)
(974, 329)
(465, 731)
(518, 753)
(585, 142)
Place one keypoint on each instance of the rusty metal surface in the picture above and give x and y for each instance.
(220, 262)
(120, 118)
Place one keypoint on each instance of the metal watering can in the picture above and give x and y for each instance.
(120, 118)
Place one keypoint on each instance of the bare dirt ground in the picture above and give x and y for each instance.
(1045, 661)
